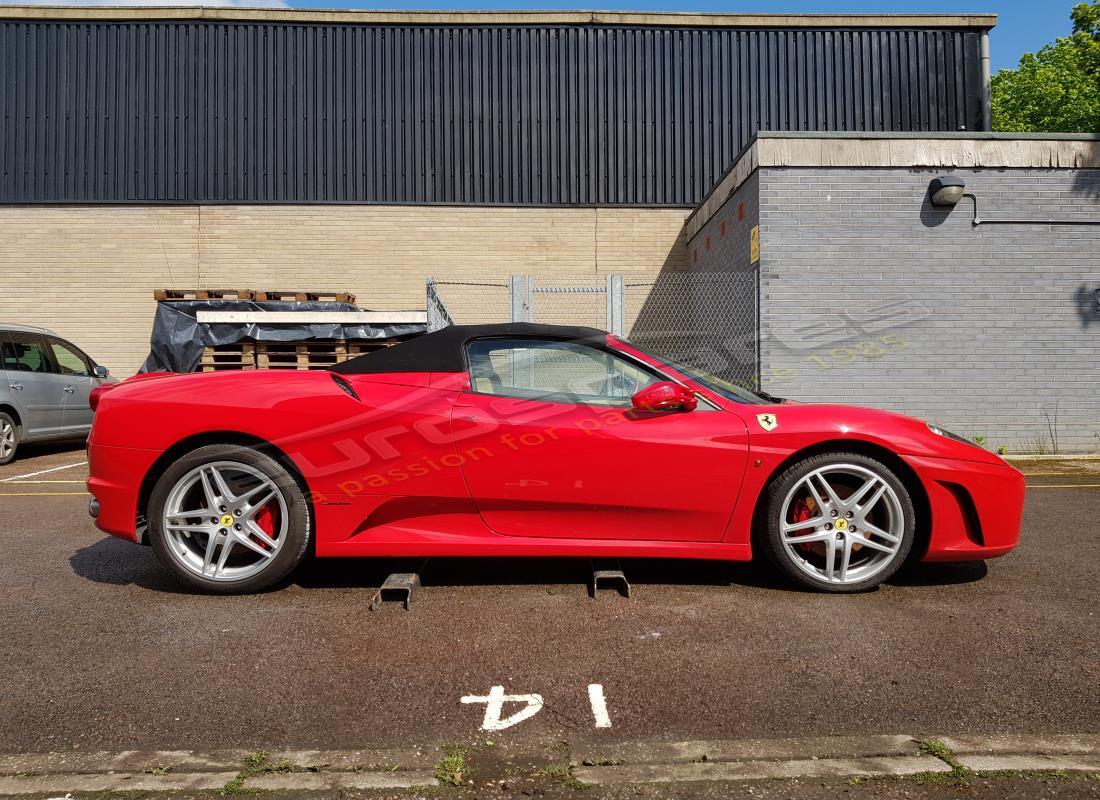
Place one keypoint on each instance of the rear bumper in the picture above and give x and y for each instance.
(976, 507)
(115, 476)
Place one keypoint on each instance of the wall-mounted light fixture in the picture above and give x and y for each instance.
(946, 190)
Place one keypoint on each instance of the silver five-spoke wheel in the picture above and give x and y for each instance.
(829, 528)
(225, 521)
(842, 522)
(7, 439)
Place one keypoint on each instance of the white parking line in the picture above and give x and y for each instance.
(41, 494)
(15, 478)
(1063, 486)
(599, 705)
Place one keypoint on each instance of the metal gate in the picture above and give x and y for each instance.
(593, 300)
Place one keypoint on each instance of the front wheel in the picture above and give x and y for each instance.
(839, 522)
(226, 519)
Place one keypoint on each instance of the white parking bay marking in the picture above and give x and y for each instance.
(41, 472)
(15, 481)
(599, 705)
(494, 705)
(43, 494)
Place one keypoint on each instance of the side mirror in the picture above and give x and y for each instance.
(101, 372)
(664, 396)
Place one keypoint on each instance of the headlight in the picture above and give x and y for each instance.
(936, 429)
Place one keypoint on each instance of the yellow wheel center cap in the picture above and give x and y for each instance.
(227, 520)
(841, 524)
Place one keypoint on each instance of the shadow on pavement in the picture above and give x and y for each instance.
(117, 562)
(114, 561)
(327, 573)
(945, 574)
(31, 450)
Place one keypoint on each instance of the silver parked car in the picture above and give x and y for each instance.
(44, 389)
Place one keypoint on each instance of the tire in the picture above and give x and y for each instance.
(256, 513)
(874, 522)
(10, 434)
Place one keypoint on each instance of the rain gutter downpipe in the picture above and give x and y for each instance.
(987, 110)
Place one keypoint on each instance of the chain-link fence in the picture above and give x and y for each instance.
(469, 300)
(709, 320)
(563, 299)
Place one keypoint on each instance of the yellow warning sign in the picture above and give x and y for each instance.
(754, 244)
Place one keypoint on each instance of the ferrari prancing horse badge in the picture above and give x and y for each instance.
(767, 421)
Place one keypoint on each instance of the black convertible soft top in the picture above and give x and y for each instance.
(445, 349)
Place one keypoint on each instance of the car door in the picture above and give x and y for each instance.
(76, 371)
(550, 446)
(33, 383)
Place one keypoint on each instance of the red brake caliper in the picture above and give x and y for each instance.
(803, 510)
(266, 520)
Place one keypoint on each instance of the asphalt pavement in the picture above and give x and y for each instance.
(102, 651)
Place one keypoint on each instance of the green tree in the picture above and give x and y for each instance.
(1058, 88)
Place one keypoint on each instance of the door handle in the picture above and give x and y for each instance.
(16, 386)
(69, 390)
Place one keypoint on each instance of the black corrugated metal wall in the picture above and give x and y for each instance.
(590, 115)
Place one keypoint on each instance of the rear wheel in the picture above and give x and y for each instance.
(9, 438)
(227, 519)
(839, 522)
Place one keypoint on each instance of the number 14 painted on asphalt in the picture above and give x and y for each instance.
(533, 703)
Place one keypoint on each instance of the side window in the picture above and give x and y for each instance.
(70, 361)
(7, 354)
(564, 372)
(25, 352)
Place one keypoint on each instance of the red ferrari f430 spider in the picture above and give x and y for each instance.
(530, 440)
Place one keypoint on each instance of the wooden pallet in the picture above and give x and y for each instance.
(358, 347)
(238, 356)
(160, 295)
(278, 355)
(300, 297)
(296, 355)
(311, 354)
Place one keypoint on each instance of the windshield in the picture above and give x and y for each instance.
(719, 386)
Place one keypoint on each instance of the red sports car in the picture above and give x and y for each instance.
(530, 440)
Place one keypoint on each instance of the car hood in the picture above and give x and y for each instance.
(796, 425)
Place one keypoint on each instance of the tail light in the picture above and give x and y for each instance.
(95, 394)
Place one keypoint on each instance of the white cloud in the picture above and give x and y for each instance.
(171, 3)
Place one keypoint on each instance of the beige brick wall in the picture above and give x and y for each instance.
(88, 271)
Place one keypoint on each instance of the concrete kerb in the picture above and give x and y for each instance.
(609, 764)
(192, 761)
(758, 770)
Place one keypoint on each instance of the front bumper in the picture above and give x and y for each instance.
(976, 507)
(115, 477)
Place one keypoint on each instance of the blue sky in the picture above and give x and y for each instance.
(1023, 25)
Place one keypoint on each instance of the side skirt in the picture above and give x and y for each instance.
(444, 545)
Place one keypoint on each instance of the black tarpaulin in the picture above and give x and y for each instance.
(178, 339)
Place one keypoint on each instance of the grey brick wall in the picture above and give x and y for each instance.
(723, 243)
(870, 295)
(706, 315)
